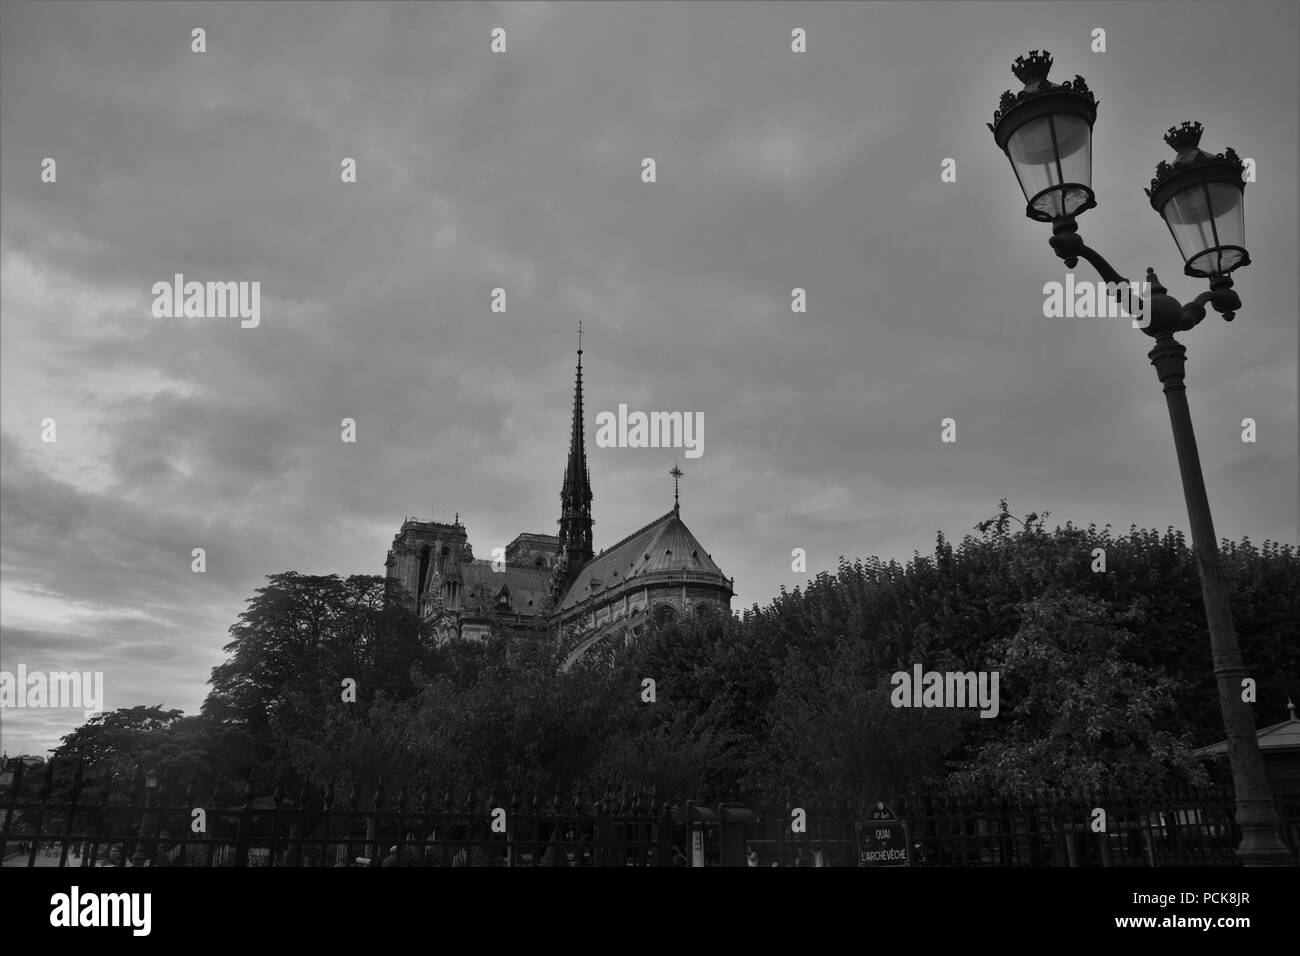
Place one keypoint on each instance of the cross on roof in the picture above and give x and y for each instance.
(677, 474)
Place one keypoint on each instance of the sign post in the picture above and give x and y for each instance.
(882, 841)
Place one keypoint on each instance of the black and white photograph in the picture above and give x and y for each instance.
(649, 434)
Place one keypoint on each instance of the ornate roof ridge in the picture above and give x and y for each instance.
(483, 564)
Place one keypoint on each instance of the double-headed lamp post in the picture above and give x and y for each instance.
(1046, 132)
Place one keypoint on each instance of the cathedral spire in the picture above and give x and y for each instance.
(575, 495)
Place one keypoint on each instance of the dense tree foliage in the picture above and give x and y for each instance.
(301, 637)
(1084, 715)
(119, 742)
(1106, 678)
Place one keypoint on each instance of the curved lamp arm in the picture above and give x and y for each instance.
(1104, 268)
(1069, 246)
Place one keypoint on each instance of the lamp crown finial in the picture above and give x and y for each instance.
(1184, 137)
(1154, 283)
(1032, 68)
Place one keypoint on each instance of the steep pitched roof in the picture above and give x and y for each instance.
(536, 537)
(666, 544)
(526, 584)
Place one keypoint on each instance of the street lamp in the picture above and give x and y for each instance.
(148, 823)
(1046, 132)
(1200, 199)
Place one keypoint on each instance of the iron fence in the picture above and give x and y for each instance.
(161, 825)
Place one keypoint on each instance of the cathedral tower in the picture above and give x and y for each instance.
(425, 560)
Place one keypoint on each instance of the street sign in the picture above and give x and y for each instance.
(883, 842)
(882, 812)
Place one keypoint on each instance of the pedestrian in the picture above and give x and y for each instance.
(114, 857)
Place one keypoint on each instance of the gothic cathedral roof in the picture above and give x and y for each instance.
(663, 552)
(525, 588)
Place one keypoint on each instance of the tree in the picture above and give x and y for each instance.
(1077, 714)
(116, 738)
(308, 633)
(165, 741)
(836, 732)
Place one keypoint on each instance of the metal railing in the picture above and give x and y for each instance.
(124, 822)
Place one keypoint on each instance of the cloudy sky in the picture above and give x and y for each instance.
(522, 170)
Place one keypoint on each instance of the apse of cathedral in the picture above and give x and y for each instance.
(556, 586)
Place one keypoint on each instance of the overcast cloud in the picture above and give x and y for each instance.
(522, 170)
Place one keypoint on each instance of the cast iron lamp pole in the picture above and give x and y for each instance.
(148, 822)
(1046, 132)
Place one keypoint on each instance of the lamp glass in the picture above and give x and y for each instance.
(1206, 220)
(1052, 157)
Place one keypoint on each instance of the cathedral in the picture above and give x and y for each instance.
(556, 586)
